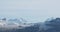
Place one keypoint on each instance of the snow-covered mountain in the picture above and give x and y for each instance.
(14, 23)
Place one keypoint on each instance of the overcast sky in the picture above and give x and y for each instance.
(31, 10)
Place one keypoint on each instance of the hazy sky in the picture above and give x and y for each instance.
(31, 10)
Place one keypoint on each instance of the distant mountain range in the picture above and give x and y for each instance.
(20, 25)
(14, 23)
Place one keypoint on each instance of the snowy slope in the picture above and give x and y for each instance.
(14, 23)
